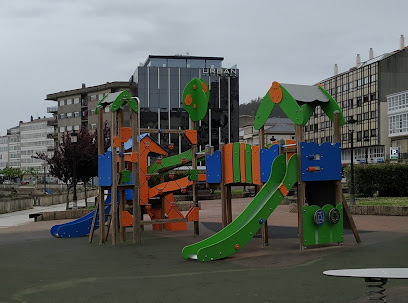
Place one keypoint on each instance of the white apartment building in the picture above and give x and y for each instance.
(3, 151)
(398, 122)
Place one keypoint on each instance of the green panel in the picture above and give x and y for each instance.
(198, 108)
(328, 232)
(240, 231)
(192, 175)
(122, 98)
(248, 163)
(330, 107)
(290, 107)
(308, 110)
(264, 110)
(125, 176)
(236, 148)
(173, 161)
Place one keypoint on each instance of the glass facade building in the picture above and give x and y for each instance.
(161, 81)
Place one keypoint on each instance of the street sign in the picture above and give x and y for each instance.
(394, 152)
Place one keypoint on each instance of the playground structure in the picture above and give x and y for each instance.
(315, 168)
(125, 173)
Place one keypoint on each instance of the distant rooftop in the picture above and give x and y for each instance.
(183, 61)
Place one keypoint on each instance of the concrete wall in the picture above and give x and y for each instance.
(15, 205)
(21, 204)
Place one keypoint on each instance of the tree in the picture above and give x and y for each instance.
(252, 106)
(85, 151)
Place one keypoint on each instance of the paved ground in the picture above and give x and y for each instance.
(36, 267)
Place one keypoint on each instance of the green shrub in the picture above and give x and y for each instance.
(388, 180)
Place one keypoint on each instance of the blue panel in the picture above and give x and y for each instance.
(105, 169)
(213, 168)
(325, 159)
(267, 156)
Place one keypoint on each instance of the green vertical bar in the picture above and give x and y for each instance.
(236, 159)
(248, 163)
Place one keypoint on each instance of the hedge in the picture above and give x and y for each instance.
(387, 180)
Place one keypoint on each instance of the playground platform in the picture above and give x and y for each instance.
(37, 267)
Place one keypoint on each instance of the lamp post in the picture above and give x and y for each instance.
(351, 123)
(74, 140)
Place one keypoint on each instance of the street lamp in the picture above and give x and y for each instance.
(351, 123)
(74, 140)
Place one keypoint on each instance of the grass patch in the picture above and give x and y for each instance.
(380, 201)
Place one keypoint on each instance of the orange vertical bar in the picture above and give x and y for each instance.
(256, 165)
(229, 169)
(242, 162)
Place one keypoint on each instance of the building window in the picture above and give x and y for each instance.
(358, 101)
(344, 104)
(365, 98)
(61, 102)
(358, 118)
(344, 137)
(359, 136)
(62, 129)
(76, 100)
(316, 127)
(345, 87)
(373, 78)
(366, 134)
(373, 96)
(322, 125)
(350, 103)
(365, 80)
(338, 89)
(328, 124)
(373, 133)
(76, 114)
(69, 115)
(373, 114)
(366, 116)
(358, 83)
(351, 86)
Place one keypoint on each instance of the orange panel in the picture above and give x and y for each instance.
(284, 191)
(116, 142)
(127, 219)
(256, 165)
(193, 214)
(228, 165)
(191, 136)
(242, 162)
(275, 93)
(125, 134)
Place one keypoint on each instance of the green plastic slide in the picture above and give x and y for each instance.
(240, 231)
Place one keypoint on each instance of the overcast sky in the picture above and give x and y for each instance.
(55, 45)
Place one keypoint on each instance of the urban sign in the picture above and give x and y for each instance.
(223, 72)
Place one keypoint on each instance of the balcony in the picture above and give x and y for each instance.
(52, 109)
(53, 122)
(50, 148)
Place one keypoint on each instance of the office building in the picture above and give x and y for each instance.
(362, 93)
(161, 81)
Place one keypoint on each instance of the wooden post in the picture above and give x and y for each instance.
(265, 235)
(223, 188)
(301, 185)
(122, 197)
(162, 210)
(114, 187)
(136, 180)
(194, 166)
(228, 204)
(339, 188)
(101, 200)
